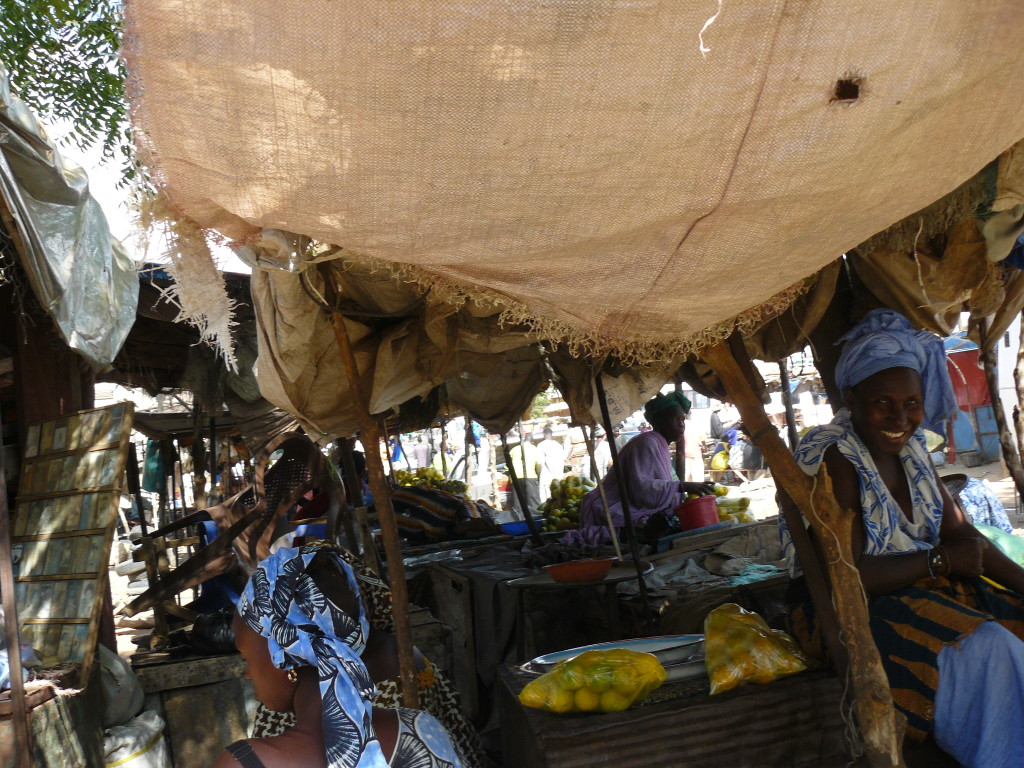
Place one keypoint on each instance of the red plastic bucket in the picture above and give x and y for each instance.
(696, 513)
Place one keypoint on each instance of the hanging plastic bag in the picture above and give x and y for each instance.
(740, 648)
(595, 681)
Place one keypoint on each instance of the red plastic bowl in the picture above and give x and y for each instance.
(594, 569)
(697, 513)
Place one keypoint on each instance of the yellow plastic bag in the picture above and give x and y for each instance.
(740, 648)
(595, 681)
(720, 461)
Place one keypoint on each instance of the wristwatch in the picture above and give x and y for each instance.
(937, 563)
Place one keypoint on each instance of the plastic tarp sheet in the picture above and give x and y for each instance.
(633, 174)
(80, 275)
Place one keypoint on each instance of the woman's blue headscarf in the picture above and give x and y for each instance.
(304, 628)
(885, 339)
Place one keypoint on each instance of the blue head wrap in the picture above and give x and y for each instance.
(885, 339)
(304, 628)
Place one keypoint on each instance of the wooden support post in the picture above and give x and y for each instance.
(787, 401)
(987, 354)
(520, 492)
(371, 437)
(469, 458)
(444, 447)
(132, 477)
(212, 497)
(19, 712)
(623, 483)
(832, 526)
(353, 491)
(589, 440)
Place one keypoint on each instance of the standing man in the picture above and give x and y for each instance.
(421, 453)
(552, 462)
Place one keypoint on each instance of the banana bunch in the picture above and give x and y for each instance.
(562, 510)
(428, 477)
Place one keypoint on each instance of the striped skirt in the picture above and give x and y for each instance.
(911, 627)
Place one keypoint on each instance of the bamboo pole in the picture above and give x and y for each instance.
(589, 440)
(371, 438)
(833, 526)
(19, 711)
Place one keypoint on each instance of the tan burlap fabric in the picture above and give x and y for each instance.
(586, 162)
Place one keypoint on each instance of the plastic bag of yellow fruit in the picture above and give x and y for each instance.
(595, 681)
(740, 648)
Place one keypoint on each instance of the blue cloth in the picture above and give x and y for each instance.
(885, 339)
(978, 717)
(983, 506)
(887, 530)
(303, 628)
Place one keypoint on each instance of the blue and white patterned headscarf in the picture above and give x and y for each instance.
(304, 628)
(885, 339)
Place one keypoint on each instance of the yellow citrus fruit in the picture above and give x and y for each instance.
(561, 701)
(572, 676)
(613, 702)
(533, 696)
(600, 678)
(587, 700)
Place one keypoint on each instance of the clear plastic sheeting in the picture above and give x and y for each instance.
(80, 275)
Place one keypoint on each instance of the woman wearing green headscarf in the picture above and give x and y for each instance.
(647, 464)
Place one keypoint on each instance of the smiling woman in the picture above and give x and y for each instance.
(919, 558)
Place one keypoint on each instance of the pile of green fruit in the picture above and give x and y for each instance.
(428, 477)
(562, 510)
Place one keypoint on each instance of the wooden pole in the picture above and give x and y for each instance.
(444, 447)
(371, 437)
(19, 712)
(623, 483)
(787, 401)
(520, 492)
(588, 439)
(470, 458)
(833, 527)
(133, 485)
(1010, 455)
(212, 498)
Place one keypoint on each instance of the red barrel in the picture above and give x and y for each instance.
(696, 513)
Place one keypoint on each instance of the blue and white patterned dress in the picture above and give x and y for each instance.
(887, 531)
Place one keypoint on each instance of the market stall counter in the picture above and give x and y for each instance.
(795, 722)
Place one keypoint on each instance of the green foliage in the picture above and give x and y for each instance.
(62, 59)
(540, 402)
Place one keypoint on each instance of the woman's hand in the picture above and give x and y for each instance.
(701, 489)
(966, 556)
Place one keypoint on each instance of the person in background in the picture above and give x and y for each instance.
(647, 464)
(552, 462)
(692, 442)
(949, 639)
(602, 453)
(421, 453)
(526, 462)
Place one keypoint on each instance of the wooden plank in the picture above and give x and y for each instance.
(186, 673)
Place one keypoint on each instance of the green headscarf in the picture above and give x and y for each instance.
(660, 402)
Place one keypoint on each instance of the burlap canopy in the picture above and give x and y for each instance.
(618, 173)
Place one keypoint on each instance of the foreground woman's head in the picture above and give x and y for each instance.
(886, 361)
